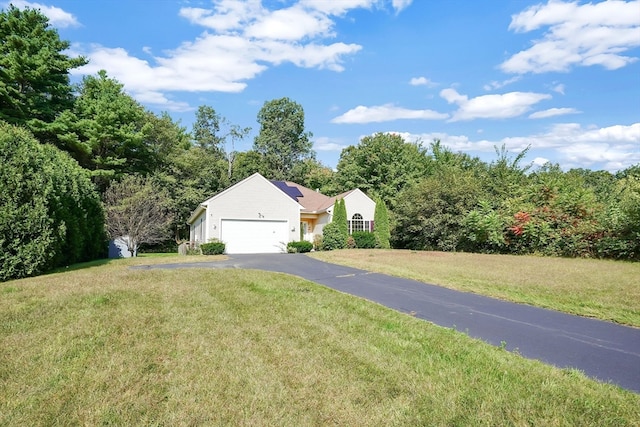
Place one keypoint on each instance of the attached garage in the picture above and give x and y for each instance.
(256, 215)
(254, 236)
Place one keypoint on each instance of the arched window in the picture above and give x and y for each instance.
(356, 223)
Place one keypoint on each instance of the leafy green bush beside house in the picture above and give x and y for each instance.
(364, 239)
(332, 237)
(213, 248)
(299, 247)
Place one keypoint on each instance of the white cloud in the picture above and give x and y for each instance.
(398, 5)
(307, 56)
(242, 40)
(327, 144)
(453, 97)
(558, 88)
(497, 85)
(222, 71)
(337, 8)
(611, 148)
(385, 113)
(552, 112)
(294, 23)
(503, 106)
(577, 35)
(57, 17)
(341, 7)
(422, 81)
(540, 161)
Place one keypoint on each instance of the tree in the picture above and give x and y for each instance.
(165, 140)
(34, 71)
(282, 141)
(622, 220)
(430, 215)
(50, 213)
(505, 176)
(381, 228)
(381, 165)
(137, 211)
(213, 132)
(340, 218)
(246, 163)
(313, 174)
(175, 171)
(107, 131)
(557, 216)
(193, 176)
(206, 129)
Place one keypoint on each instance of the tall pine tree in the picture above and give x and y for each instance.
(381, 225)
(34, 71)
(340, 218)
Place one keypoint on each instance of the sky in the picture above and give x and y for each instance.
(559, 77)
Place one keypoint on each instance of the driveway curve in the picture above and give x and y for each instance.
(605, 351)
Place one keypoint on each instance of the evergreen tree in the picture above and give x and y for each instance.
(34, 71)
(107, 131)
(340, 218)
(381, 228)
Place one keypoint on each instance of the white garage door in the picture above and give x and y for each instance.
(254, 237)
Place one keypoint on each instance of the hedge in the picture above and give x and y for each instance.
(50, 213)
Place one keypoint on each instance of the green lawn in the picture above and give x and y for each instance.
(106, 345)
(607, 290)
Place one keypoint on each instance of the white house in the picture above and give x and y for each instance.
(261, 216)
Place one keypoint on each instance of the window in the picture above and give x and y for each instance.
(356, 223)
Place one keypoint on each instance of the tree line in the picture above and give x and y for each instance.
(101, 142)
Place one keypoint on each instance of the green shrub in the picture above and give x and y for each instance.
(168, 246)
(50, 214)
(299, 247)
(484, 229)
(340, 218)
(381, 230)
(213, 248)
(364, 239)
(332, 237)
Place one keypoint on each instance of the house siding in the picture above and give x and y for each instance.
(198, 229)
(254, 198)
(355, 202)
(323, 220)
(358, 202)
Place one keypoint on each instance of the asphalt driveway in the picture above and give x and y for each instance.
(606, 351)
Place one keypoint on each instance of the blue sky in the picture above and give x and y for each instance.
(562, 77)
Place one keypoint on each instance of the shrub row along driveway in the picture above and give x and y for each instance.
(606, 351)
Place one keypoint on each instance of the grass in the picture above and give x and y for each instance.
(107, 345)
(145, 259)
(607, 290)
